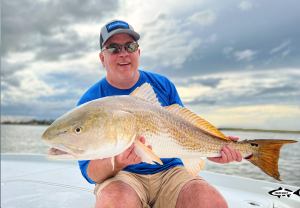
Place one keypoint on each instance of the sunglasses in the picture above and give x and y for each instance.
(117, 48)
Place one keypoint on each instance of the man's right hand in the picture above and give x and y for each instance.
(100, 170)
(128, 157)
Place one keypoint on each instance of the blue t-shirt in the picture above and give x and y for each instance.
(166, 94)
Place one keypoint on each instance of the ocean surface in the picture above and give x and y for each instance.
(27, 139)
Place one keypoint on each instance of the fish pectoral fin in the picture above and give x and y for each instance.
(193, 166)
(145, 153)
(148, 161)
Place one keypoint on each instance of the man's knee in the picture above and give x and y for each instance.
(118, 194)
(199, 193)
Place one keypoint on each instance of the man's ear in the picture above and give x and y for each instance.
(102, 59)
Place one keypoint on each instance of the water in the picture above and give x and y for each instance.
(23, 139)
(27, 139)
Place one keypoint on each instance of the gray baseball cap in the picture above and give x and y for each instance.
(115, 27)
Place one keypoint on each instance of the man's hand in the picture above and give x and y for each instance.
(100, 170)
(128, 157)
(228, 154)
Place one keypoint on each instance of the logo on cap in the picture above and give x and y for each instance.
(116, 25)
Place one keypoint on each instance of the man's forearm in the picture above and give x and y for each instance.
(100, 170)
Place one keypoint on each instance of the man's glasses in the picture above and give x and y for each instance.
(117, 48)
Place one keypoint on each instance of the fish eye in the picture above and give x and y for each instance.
(77, 130)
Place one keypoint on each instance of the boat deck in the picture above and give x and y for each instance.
(33, 181)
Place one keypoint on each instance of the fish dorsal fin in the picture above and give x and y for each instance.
(194, 165)
(147, 93)
(195, 120)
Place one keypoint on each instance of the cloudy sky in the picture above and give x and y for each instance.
(236, 63)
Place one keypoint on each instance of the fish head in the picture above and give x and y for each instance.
(90, 131)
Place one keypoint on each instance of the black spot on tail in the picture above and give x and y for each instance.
(254, 144)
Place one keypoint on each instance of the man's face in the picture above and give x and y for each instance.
(123, 65)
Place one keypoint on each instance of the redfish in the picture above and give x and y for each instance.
(107, 126)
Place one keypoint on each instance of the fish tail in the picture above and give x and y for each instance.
(266, 155)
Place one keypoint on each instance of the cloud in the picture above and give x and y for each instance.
(227, 50)
(278, 90)
(234, 33)
(285, 53)
(25, 87)
(46, 95)
(249, 67)
(8, 68)
(11, 81)
(211, 51)
(42, 26)
(39, 109)
(241, 89)
(204, 18)
(199, 101)
(280, 47)
(70, 46)
(246, 55)
(211, 39)
(61, 97)
(211, 82)
(166, 44)
(245, 5)
(254, 117)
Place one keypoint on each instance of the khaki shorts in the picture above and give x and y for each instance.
(155, 190)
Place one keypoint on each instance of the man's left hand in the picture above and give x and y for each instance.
(228, 154)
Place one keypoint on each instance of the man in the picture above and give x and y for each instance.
(132, 183)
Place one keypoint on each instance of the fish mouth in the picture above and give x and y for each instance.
(61, 152)
(53, 151)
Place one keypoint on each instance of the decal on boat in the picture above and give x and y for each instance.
(283, 192)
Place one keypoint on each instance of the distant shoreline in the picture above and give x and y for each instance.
(31, 122)
(261, 130)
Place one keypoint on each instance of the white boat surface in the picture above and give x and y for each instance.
(33, 181)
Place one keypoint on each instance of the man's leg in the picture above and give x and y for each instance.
(199, 193)
(118, 194)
